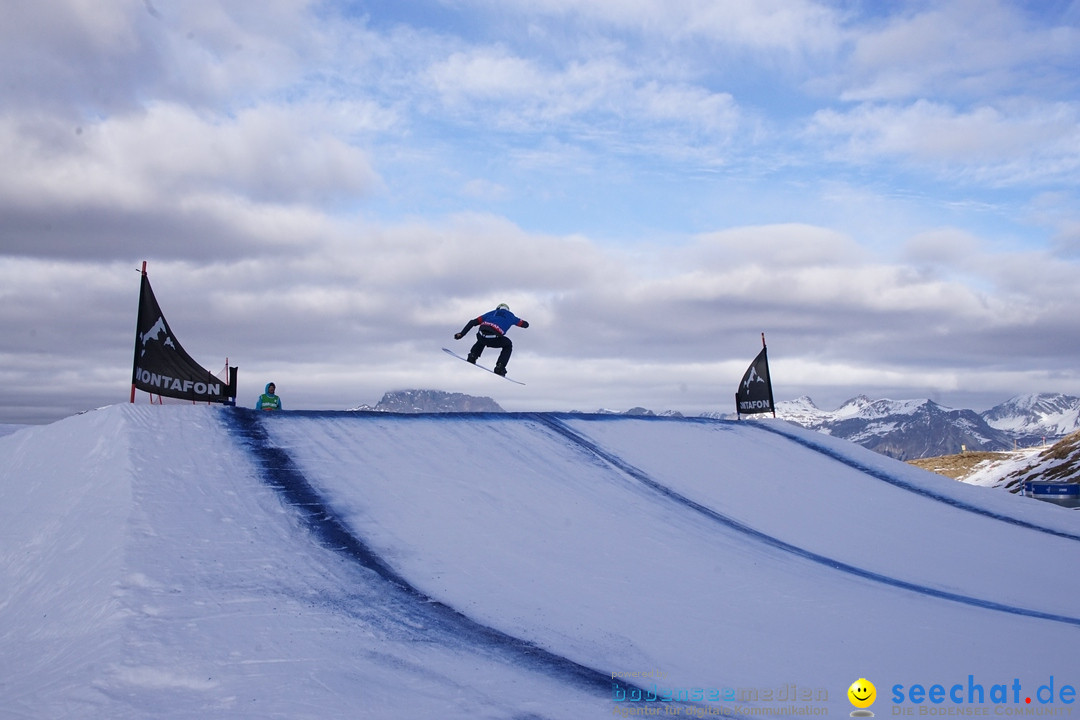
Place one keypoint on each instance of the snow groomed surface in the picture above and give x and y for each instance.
(200, 562)
(322, 521)
(842, 452)
(808, 554)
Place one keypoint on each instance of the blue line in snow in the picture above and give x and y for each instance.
(900, 483)
(283, 475)
(724, 424)
(641, 476)
(841, 458)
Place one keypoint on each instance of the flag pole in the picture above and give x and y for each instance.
(766, 351)
(135, 361)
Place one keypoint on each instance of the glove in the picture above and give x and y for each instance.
(458, 336)
(524, 323)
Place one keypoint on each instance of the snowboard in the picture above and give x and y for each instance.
(504, 377)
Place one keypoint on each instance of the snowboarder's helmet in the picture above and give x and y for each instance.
(503, 306)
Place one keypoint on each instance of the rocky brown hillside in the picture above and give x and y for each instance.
(1059, 462)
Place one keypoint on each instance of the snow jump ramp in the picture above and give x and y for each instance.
(204, 562)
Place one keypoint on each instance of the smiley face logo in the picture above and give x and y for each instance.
(862, 693)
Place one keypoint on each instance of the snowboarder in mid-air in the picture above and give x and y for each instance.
(492, 333)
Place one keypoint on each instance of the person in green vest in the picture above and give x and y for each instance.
(268, 400)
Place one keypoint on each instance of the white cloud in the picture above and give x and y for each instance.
(486, 74)
(792, 26)
(966, 48)
(83, 57)
(518, 94)
(942, 247)
(101, 27)
(484, 190)
(283, 154)
(1010, 143)
(789, 245)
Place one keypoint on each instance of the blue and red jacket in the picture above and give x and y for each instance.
(496, 322)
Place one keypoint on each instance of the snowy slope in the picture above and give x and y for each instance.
(8, 428)
(1058, 463)
(1000, 471)
(197, 562)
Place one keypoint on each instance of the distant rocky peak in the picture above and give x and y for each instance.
(432, 401)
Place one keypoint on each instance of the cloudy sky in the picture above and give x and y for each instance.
(326, 191)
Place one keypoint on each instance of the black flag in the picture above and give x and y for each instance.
(162, 367)
(755, 391)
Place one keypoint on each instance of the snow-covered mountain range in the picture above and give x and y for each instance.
(902, 429)
(1036, 418)
(911, 429)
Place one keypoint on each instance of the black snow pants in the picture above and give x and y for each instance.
(499, 341)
